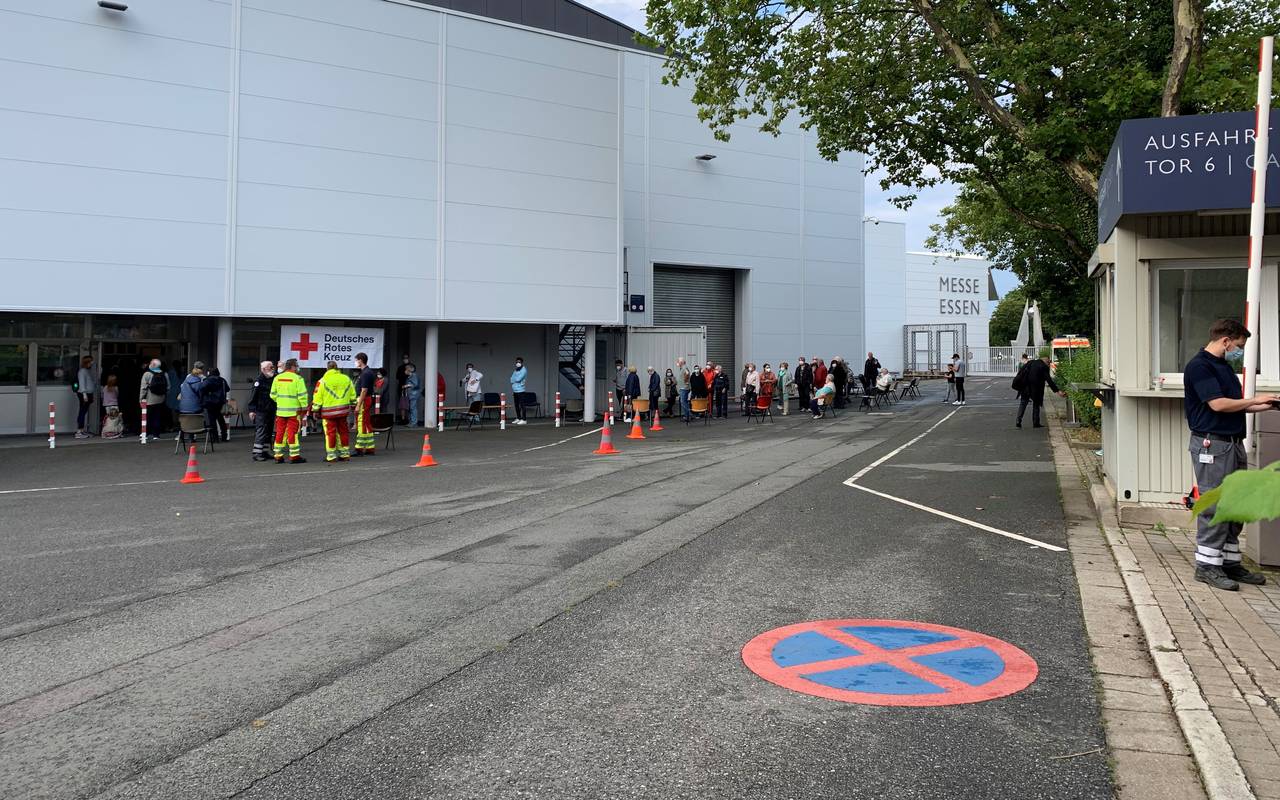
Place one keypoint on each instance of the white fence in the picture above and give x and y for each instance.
(997, 360)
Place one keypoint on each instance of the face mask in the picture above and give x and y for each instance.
(519, 365)
(1235, 356)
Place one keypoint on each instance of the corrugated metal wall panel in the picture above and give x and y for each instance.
(686, 296)
(1164, 468)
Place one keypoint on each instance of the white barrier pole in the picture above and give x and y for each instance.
(440, 413)
(52, 423)
(557, 409)
(610, 420)
(1257, 215)
(144, 421)
(502, 412)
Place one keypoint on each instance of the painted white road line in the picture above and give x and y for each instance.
(562, 441)
(893, 453)
(1007, 534)
(71, 488)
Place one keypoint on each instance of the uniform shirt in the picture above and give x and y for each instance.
(367, 382)
(260, 401)
(1206, 378)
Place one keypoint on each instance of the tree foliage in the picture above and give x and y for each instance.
(1006, 318)
(1015, 102)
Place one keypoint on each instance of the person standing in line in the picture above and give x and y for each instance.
(768, 384)
(672, 392)
(631, 390)
(720, 392)
(683, 376)
(289, 391)
(366, 385)
(960, 368)
(820, 372)
(804, 383)
(402, 375)
(870, 369)
(698, 389)
(752, 389)
(262, 411)
(518, 377)
(1215, 407)
(655, 391)
(332, 401)
(411, 391)
(742, 387)
(709, 372)
(152, 390)
(1034, 378)
(471, 383)
(86, 389)
(840, 377)
(620, 389)
(441, 388)
(784, 387)
(213, 396)
(191, 398)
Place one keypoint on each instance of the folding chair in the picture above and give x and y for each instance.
(761, 410)
(531, 401)
(869, 398)
(195, 426)
(474, 416)
(700, 405)
(384, 423)
(910, 390)
(640, 405)
(492, 402)
(829, 404)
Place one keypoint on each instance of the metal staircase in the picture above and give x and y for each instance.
(573, 346)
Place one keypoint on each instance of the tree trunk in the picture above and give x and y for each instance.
(1188, 28)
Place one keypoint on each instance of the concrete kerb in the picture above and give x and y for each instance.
(1220, 770)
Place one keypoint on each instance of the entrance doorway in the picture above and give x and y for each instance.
(127, 361)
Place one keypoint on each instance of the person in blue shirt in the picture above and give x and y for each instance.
(1215, 406)
(518, 377)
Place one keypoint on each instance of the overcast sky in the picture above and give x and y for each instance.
(924, 212)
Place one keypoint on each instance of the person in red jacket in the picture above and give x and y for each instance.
(709, 372)
(819, 372)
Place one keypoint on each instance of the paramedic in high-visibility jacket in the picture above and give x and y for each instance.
(333, 399)
(289, 391)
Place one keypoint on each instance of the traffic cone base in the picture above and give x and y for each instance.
(636, 431)
(606, 444)
(426, 460)
(193, 470)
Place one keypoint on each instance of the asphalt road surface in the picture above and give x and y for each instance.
(530, 620)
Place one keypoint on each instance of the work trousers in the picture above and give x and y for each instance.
(722, 403)
(286, 437)
(654, 399)
(1216, 545)
(1035, 408)
(365, 439)
(337, 438)
(264, 431)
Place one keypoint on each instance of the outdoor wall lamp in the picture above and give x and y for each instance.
(704, 157)
(110, 5)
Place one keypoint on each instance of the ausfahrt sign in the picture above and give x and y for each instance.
(1166, 165)
(316, 345)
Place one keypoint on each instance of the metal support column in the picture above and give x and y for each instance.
(589, 376)
(222, 357)
(430, 369)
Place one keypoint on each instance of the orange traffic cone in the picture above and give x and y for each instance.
(426, 460)
(193, 472)
(655, 426)
(606, 444)
(636, 431)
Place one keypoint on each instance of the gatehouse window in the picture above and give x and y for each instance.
(1189, 298)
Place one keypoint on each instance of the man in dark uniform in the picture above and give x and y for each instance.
(366, 383)
(1215, 407)
(262, 412)
(1034, 376)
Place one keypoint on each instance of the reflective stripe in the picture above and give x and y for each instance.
(1203, 559)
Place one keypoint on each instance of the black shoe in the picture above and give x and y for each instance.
(1237, 572)
(1215, 577)
(298, 460)
(1038, 426)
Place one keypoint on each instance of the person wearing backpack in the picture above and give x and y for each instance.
(153, 391)
(214, 393)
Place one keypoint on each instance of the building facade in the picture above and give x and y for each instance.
(183, 178)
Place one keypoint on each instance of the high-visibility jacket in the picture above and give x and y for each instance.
(289, 390)
(335, 395)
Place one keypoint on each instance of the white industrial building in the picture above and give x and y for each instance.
(494, 179)
(922, 307)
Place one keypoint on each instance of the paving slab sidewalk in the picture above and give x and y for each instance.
(1163, 642)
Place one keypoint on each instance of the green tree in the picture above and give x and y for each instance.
(1006, 318)
(1015, 102)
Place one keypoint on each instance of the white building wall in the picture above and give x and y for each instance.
(963, 298)
(886, 295)
(766, 205)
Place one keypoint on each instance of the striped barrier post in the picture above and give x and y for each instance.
(52, 422)
(502, 411)
(440, 413)
(557, 409)
(609, 421)
(144, 422)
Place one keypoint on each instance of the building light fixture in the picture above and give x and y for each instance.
(110, 5)
(704, 157)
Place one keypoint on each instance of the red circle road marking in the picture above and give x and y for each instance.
(1019, 672)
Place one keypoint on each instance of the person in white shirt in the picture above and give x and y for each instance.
(471, 384)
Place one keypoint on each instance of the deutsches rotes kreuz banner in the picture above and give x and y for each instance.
(316, 345)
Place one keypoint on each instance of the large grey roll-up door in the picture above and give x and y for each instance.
(686, 296)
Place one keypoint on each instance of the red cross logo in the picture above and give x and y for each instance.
(304, 347)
